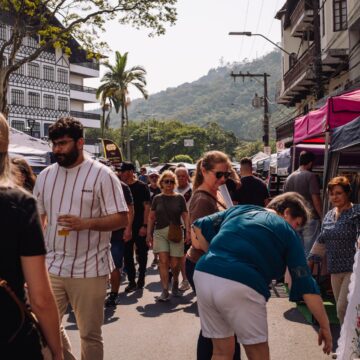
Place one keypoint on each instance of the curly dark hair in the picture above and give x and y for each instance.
(66, 126)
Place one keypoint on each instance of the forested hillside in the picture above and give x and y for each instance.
(216, 97)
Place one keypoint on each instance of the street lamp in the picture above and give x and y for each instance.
(249, 33)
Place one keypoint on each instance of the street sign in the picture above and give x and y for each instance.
(188, 142)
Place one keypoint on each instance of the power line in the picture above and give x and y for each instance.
(257, 27)
(246, 14)
(273, 18)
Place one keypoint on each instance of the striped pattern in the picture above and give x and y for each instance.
(89, 190)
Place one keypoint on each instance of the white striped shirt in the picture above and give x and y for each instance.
(89, 190)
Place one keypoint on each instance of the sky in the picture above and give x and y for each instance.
(197, 42)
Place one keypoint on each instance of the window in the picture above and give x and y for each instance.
(31, 41)
(18, 125)
(340, 15)
(63, 103)
(49, 73)
(46, 129)
(34, 99)
(21, 70)
(49, 101)
(33, 128)
(62, 76)
(17, 97)
(34, 70)
(3, 32)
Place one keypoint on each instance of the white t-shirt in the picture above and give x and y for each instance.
(89, 190)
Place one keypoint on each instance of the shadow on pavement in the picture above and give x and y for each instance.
(295, 316)
(129, 298)
(173, 305)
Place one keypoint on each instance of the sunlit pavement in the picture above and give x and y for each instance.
(140, 328)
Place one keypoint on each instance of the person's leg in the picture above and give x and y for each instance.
(129, 262)
(342, 302)
(58, 286)
(87, 298)
(223, 349)
(190, 268)
(257, 351)
(142, 251)
(164, 262)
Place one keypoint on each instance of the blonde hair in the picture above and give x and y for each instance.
(166, 173)
(208, 162)
(5, 173)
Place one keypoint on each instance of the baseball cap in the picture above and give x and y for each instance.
(153, 172)
(4, 134)
(126, 165)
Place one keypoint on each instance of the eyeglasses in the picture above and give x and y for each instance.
(168, 181)
(220, 174)
(60, 143)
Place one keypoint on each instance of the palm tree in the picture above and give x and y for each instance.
(115, 87)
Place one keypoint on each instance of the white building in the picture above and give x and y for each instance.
(49, 87)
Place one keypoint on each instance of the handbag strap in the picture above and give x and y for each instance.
(213, 197)
(24, 311)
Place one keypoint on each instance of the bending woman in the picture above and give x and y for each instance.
(248, 246)
(22, 259)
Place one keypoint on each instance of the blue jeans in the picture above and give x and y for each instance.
(309, 234)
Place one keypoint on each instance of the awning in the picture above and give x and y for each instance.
(346, 136)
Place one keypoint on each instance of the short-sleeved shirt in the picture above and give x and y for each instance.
(201, 204)
(89, 190)
(154, 192)
(21, 236)
(306, 183)
(251, 245)
(340, 236)
(253, 191)
(141, 196)
(168, 209)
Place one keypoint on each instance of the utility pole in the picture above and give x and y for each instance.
(266, 104)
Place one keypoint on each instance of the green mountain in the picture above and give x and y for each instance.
(217, 97)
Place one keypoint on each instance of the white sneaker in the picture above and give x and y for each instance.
(184, 285)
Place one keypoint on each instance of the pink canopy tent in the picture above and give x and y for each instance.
(338, 110)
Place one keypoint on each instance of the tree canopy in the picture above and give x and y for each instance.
(53, 23)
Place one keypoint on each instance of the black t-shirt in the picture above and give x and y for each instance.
(141, 195)
(127, 193)
(253, 191)
(21, 235)
(154, 192)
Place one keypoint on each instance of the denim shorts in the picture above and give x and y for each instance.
(117, 247)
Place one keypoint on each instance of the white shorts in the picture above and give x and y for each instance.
(227, 307)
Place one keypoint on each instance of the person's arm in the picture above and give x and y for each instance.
(186, 221)
(104, 223)
(197, 239)
(128, 230)
(316, 199)
(42, 301)
(316, 307)
(150, 228)
(143, 229)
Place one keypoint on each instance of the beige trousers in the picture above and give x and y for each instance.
(340, 286)
(86, 297)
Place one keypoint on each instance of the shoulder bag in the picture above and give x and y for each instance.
(175, 232)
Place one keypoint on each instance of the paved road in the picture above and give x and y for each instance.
(140, 328)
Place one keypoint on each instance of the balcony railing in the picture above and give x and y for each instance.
(81, 88)
(90, 65)
(299, 10)
(85, 115)
(300, 67)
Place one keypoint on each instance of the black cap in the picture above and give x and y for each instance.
(126, 165)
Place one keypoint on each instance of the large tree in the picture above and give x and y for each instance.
(55, 22)
(115, 87)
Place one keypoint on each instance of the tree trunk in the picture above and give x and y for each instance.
(4, 83)
(128, 142)
(122, 133)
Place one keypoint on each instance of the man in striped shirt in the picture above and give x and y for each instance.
(80, 202)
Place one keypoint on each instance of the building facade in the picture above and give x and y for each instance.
(49, 87)
(322, 38)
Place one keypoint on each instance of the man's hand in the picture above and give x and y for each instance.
(142, 231)
(149, 241)
(73, 223)
(127, 234)
(326, 339)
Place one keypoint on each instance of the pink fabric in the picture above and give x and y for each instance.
(337, 111)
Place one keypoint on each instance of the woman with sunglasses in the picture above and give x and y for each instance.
(212, 171)
(167, 208)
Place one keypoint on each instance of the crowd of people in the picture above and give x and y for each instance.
(80, 225)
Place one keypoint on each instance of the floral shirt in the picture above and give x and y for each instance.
(339, 237)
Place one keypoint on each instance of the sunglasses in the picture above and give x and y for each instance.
(168, 182)
(220, 174)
